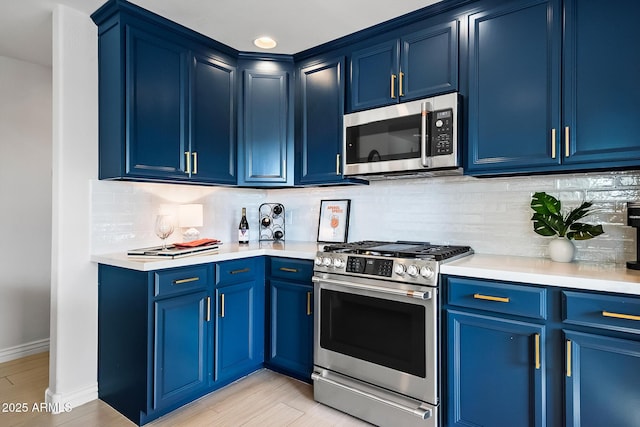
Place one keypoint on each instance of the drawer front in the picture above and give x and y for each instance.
(176, 280)
(619, 313)
(236, 271)
(291, 269)
(518, 300)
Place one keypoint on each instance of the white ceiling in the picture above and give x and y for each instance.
(25, 25)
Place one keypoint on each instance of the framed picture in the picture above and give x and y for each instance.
(333, 225)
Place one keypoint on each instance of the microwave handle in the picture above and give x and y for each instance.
(424, 136)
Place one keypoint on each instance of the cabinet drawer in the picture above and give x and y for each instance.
(498, 297)
(619, 313)
(175, 280)
(236, 271)
(291, 269)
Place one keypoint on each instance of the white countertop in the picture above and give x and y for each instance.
(540, 271)
(227, 251)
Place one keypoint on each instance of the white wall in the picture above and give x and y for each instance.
(491, 215)
(73, 356)
(25, 194)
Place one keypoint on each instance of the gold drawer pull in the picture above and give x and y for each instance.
(188, 157)
(620, 315)
(289, 270)
(490, 298)
(393, 86)
(553, 143)
(400, 84)
(242, 270)
(308, 303)
(537, 351)
(221, 305)
(208, 309)
(195, 163)
(568, 358)
(181, 281)
(566, 142)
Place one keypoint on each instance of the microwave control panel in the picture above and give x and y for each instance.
(441, 132)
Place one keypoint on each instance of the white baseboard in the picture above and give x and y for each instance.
(23, 350)
(65, 402)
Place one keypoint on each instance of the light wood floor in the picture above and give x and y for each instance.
(262, 399)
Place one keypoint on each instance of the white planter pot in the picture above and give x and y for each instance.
(561, 249)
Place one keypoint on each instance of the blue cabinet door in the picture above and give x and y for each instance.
(495, 373)
(213, 121)
(593, 364)
(514, 74)
(180, 365)
(291, 328)
(266, 147)
(429, 62)
(374, 74)
(319, 122)
(239, 333)
(601, 89)
(156, 106)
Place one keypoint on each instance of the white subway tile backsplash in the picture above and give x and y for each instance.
(492, 215)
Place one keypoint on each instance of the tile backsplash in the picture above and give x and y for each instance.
(492, 215)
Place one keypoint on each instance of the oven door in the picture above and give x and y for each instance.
(372, 331)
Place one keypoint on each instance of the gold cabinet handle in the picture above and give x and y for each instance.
(553, 143)
(221, 305)
(537, 339)
(188, 156)
(338, 164)
(393, 86)
(181, 281)
(289, 270)
(308, 303)
(195, 162)
(566, 141)
(400, 92)
(620, 316)
(568, 358)
(242, 270)
(208, 309)
(490, 298)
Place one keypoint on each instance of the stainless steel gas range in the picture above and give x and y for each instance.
(376, 340)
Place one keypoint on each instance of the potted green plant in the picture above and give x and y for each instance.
(549, 220)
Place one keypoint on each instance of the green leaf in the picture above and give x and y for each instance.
(581, 231)
(547, 225)
(545, 204)
(578, 213)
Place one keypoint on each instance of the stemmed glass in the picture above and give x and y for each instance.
(164, 228)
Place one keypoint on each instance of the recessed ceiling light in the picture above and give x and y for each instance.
(265, 42)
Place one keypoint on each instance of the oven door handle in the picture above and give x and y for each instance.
(401, 292)
(422, 413)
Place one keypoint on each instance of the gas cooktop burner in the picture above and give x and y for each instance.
(400, 249)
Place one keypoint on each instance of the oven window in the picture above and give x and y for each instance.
(380, 331)
(393, 139)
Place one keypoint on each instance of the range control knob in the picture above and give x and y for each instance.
(399, 269)
(326, 261)
(426, 272)
(318, 260)
(412, 270)
(338, 263)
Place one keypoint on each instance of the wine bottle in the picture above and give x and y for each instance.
(243, 228)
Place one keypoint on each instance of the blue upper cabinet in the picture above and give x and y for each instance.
(265, 145)
(156, 99)
(166, 100)
(319, 128)
(514, 71)
(523, 116)
(600, 86)
(213, 120)
(417, 65)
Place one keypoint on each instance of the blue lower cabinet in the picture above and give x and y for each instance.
(496, 371)
(180, 354)
(291, 328)
(239, 335)
(602, 377)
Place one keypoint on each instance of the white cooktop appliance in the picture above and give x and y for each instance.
(376, 323)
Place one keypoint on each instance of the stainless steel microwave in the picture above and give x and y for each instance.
(412, 138)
